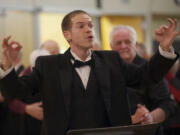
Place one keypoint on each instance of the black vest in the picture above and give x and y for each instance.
(87, 106)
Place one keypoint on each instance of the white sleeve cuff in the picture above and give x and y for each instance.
(170, 54)
(4, 73)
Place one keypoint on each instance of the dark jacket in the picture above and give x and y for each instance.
(52, 76)
(152, 97)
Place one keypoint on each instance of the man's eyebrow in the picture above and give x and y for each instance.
(80, 22)
(83, 22)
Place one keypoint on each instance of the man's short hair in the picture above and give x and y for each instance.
(66, 22)
(118, 27)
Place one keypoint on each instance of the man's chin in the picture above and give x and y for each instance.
(125, 57)
(87, 47)
(90, 46)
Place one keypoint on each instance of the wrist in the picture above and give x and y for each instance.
(166, 49)
(26, 109)
(5, 66)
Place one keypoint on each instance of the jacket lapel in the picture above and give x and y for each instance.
(103, 78)
(65, 74)
(78, 80)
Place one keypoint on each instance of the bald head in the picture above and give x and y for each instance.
(51, 46)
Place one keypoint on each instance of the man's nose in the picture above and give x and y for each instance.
(88, 29)
(123, 45)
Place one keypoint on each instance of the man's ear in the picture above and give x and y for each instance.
(67, 35)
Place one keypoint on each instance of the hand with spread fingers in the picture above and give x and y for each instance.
(166, 34)
(10, 51)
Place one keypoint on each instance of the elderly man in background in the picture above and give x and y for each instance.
(148, 105)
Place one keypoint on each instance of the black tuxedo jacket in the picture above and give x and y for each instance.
(156, 97)
(52, 76)
(20, 69)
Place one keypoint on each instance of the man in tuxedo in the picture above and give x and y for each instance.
(81, 88)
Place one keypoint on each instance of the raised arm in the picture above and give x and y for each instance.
(166, 34)
(10, 51)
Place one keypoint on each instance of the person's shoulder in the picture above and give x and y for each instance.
(139, 60)
(109, 57)
(106, 53)
(48, 58)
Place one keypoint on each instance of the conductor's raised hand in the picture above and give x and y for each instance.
(10, 51)
(166, 34)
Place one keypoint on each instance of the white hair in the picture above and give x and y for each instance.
(118, 27)
(35, 54)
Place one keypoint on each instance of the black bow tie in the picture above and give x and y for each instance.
(78, 63)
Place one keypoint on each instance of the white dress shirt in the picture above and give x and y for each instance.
(84, 71)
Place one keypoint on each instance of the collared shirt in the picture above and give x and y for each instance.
(84, 71)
